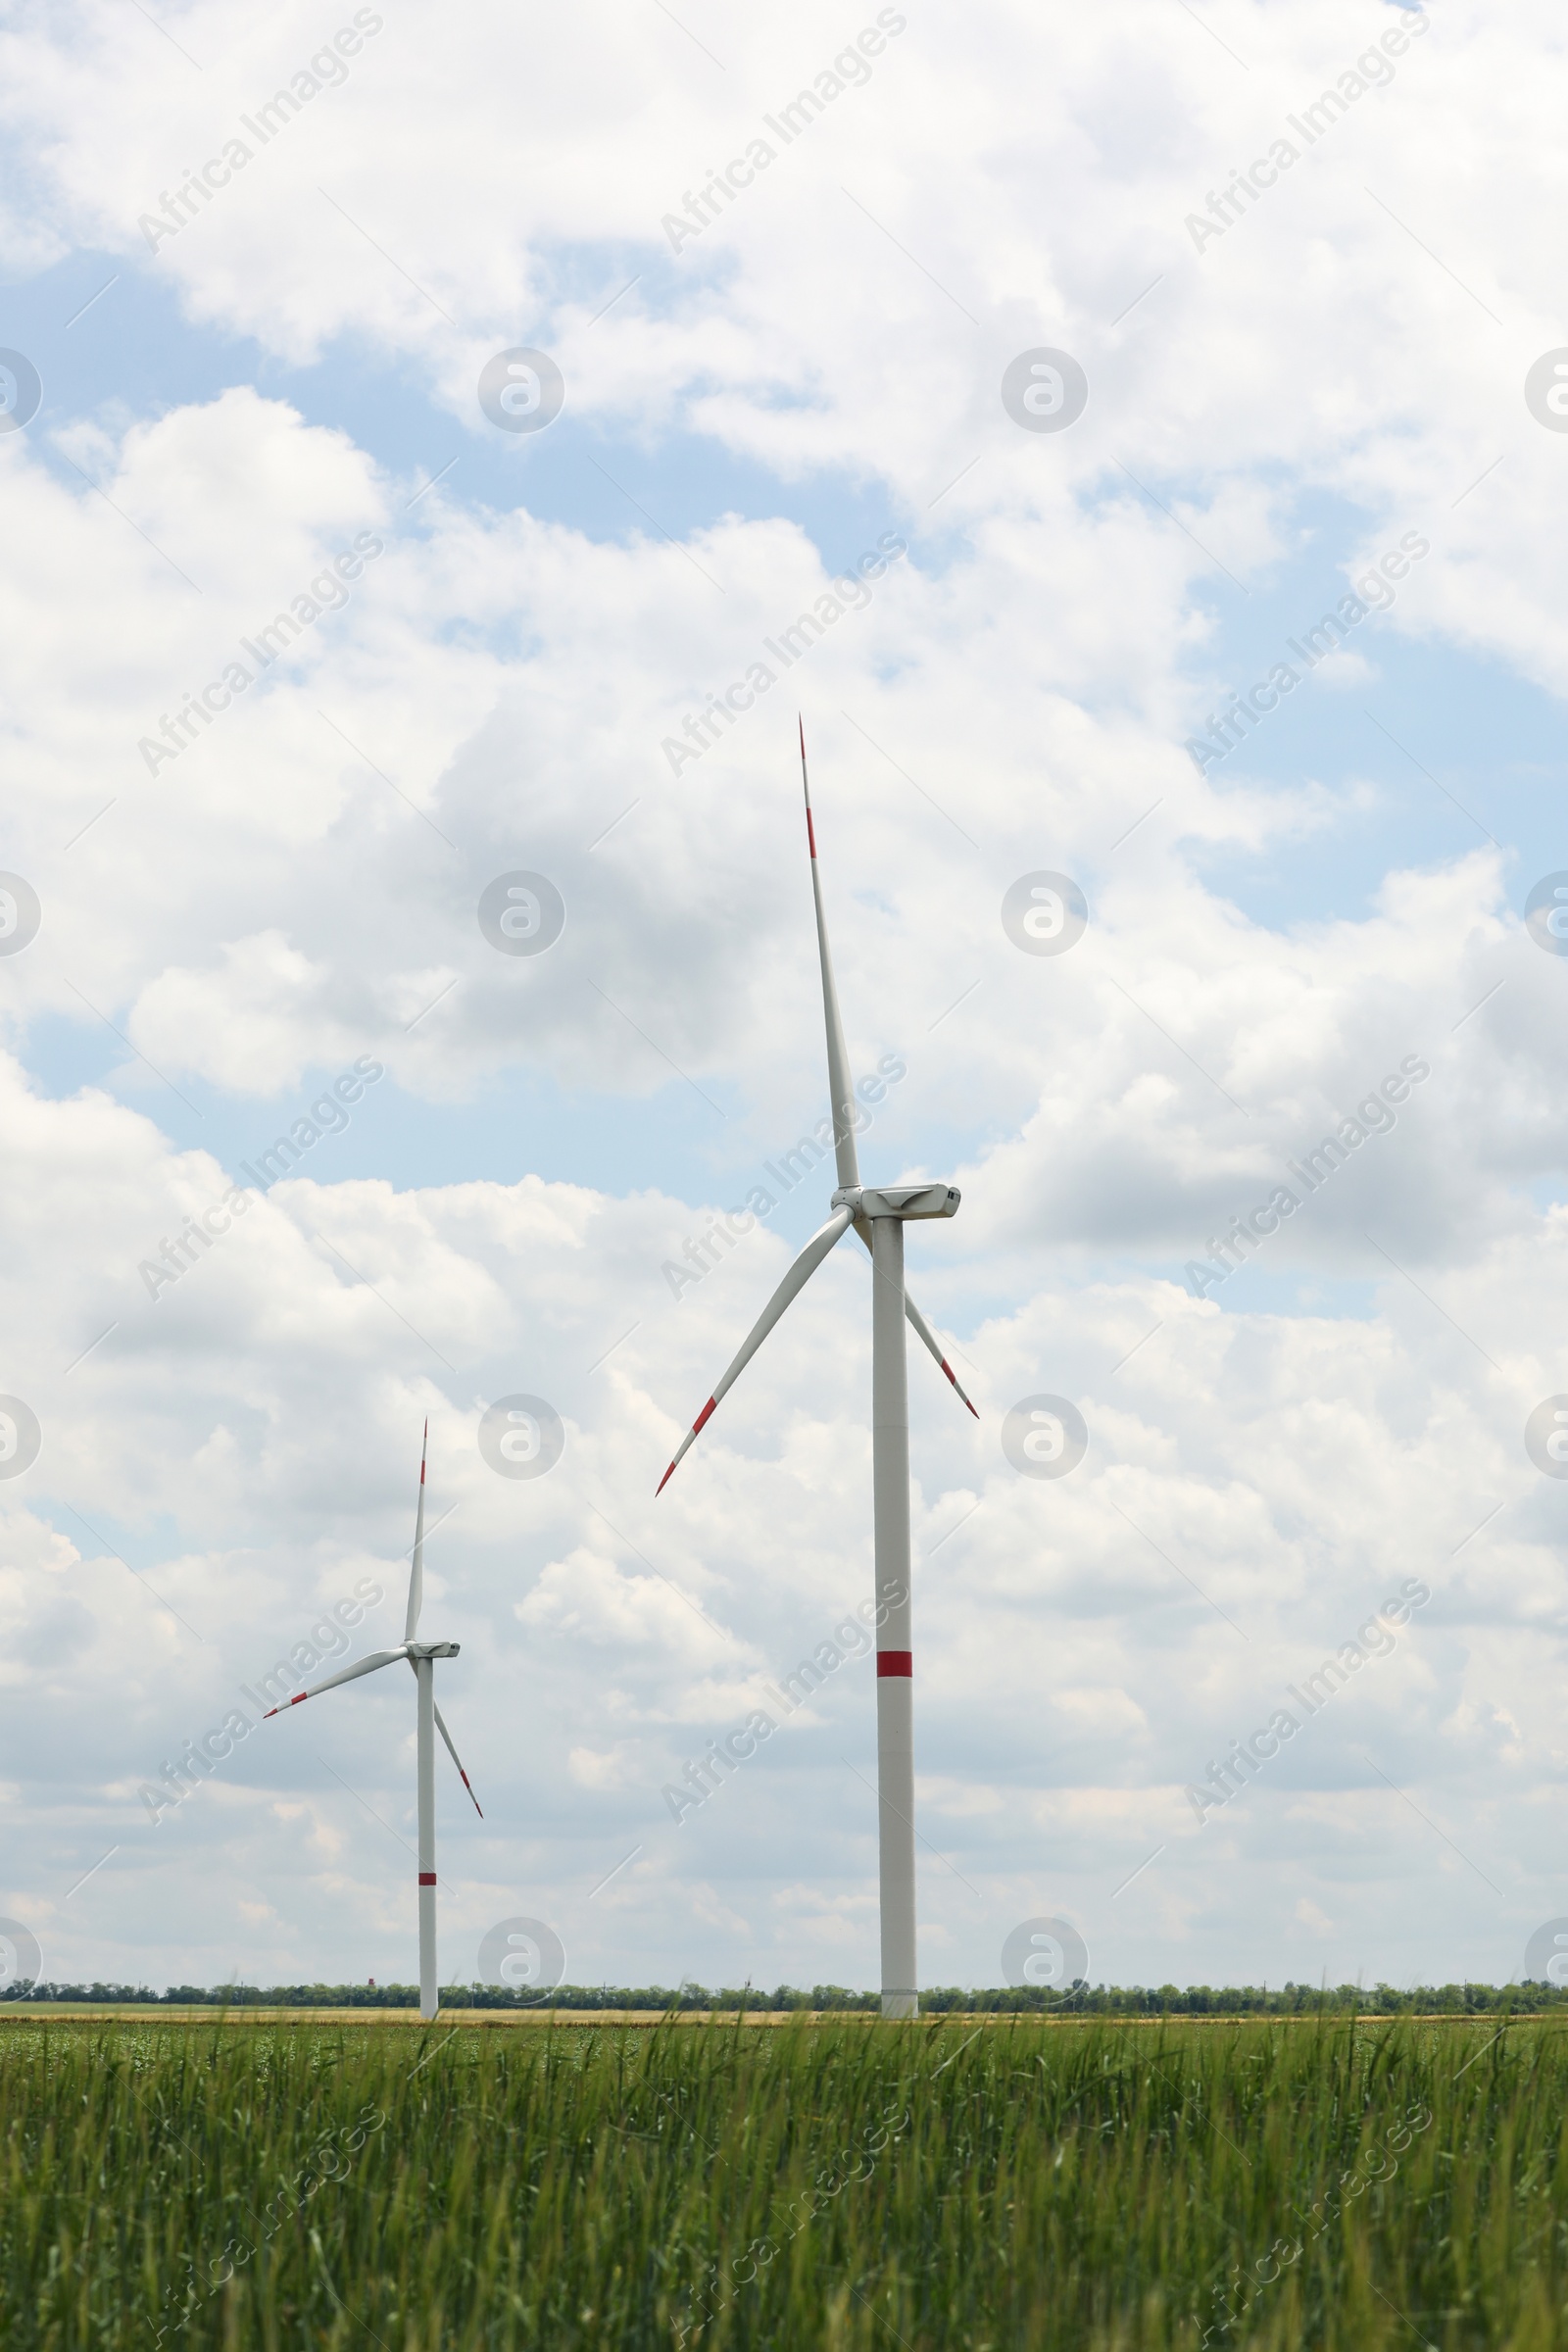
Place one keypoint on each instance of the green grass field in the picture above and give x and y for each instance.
(1013, 2184)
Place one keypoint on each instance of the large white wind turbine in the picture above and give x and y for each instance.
(879, 1217)
(421, 1657)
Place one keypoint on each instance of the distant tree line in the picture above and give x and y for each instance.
(1101, 2001)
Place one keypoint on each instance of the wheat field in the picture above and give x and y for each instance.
(1007, 2183)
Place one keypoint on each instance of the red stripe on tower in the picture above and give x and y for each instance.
(895, 1661)
(427, 1878)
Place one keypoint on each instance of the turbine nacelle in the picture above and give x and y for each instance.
(902, 1201)
(432, 1649)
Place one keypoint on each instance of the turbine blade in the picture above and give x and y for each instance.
(841, 1093)
(440, 1726)
(348, 1674)
(794, 1282)
(416, 1572)
(923, 1331)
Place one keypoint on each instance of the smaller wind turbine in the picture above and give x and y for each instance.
(421, 1657)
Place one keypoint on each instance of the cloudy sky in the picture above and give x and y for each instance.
(1097, 356)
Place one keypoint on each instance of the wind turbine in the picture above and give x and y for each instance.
(421, 1657)
(879, 1217)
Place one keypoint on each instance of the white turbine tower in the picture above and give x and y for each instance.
(421, 1657)
(879, 1217)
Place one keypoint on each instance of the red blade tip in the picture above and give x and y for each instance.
(663, 1482)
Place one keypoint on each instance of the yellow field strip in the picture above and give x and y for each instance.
(157, 2012)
